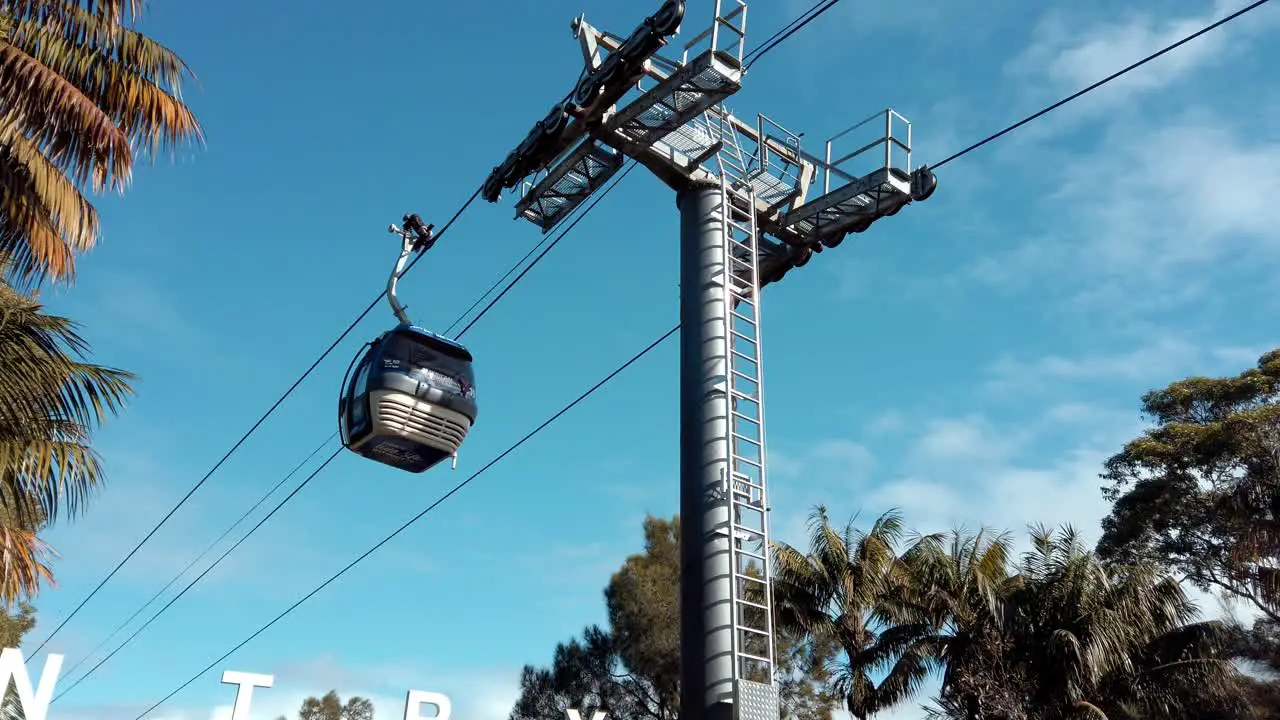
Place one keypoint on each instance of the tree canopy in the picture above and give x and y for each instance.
(865, 617)
(1200, 491)
(1198, 494)
(631, 667)
(330, 707)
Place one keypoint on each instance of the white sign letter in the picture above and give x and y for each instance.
(413, 705)
(595, 714)
(245, 683)
(35, 703)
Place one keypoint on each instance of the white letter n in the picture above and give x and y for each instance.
(35, 703)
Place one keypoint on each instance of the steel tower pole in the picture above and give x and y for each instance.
(706, 572)
(747, 218)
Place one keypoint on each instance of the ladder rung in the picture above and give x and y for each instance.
(757, 631)
(744, 337)
(744, 376)
(748, 553)
(741, 479)
(752, 604)
(738, 436)
(744, 356)
(743, 318)
(757, 658)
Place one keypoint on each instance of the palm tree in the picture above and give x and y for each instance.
(1114, 642)
(50, 400)
(1067, 637)
(80, 93)
(951, 618)
(842, 589)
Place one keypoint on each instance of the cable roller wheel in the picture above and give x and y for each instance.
(667, 20)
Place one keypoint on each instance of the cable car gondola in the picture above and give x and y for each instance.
(411, 399)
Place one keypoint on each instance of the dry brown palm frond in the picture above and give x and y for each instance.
(82, 95)
(132, 78)
(117, 42)
(115, 11)
(73, 216)
(29, 238)
(25, 564)
(64, 122)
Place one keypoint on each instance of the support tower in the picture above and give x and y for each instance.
(749, 214)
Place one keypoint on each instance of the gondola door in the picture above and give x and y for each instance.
(356, 418)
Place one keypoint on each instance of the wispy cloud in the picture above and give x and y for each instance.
(1069, 51)
(1161, 359)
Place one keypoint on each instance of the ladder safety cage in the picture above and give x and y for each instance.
(751, 589)
(731, 25)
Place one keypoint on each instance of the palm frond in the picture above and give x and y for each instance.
(113, 11)
(42, 374)
(30, 245)
(135, 80)
(63, 121)
(43, 187)
(54, 476)
(25, 566)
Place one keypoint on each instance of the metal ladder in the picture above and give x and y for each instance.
(731, 155)
(751, 589)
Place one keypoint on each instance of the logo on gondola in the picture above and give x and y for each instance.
(465, 387)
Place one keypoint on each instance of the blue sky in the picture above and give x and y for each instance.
(972, 360)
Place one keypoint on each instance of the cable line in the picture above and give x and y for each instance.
(244, 437)
(207, 570)
(587, 209)
(546, 423)
(197, 559)
(787, 32)
(776, 40)
(512, 284)
(631, 166)
(770, 44)
(1104, 81)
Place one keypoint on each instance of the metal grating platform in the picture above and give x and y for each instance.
(569, 183)
(851, 208)
(755, 701)
(673, 102)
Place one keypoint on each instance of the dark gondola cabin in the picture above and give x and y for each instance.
(410, 401)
